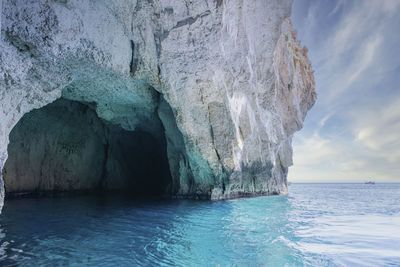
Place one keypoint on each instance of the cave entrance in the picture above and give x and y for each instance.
(65, 147)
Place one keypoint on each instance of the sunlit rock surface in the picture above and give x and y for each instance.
(222, 85)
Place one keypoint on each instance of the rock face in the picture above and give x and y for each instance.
(221, 85)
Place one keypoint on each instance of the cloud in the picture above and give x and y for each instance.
(353, 131)
(313, 151)
(339, 4)
(352, 166)
(379, 130)
(390, 7)
(353, 47)
(362, 61)
(357, 22)
(319, 159)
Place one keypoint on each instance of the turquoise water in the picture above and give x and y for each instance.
(315, 225)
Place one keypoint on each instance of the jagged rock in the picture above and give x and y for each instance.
(223, 84)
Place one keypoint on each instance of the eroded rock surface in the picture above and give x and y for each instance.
(225, 83)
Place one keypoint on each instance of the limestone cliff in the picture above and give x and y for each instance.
(223, 84)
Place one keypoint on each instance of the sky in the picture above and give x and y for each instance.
(353, 131)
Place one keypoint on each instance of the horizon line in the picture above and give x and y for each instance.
(342, 182)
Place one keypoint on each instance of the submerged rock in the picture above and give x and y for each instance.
(221, 85)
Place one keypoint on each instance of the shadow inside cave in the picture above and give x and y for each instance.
(65, 148)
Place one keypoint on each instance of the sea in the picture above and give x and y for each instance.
(316, 224)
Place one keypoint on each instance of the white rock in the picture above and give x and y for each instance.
(228, 80)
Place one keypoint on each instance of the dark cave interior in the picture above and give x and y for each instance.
(65, 147)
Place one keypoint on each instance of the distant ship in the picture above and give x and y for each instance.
(370, 182)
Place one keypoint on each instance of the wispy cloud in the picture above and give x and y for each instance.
(353, 131)
(314, 151)
(363, 59)
(379, 131)
(339, 4)
(354, 44)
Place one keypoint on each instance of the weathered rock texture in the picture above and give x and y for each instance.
(224, 82)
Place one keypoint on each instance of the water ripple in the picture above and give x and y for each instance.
(316, 225)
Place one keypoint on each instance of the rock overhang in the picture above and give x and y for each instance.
(230, 89)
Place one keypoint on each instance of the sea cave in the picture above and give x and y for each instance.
(65, 147)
